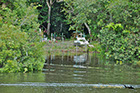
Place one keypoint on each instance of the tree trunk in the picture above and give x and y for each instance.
(49, 19)
(89, 31)
(88, 28)
(49, 4)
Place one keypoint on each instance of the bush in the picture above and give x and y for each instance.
(121, 45)
(20, 46)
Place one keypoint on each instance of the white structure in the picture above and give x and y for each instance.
(81, 41)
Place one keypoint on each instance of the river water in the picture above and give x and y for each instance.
(73, 74)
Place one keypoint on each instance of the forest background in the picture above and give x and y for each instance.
(114, 24)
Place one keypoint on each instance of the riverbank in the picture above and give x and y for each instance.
(65, 48)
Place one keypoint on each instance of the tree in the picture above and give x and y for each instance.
(99, 15)
(57, 19)
(77, 14)
(20, 46)
(88, 13)
(50, 4)
(120, 38)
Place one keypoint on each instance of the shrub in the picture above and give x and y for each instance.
(20, 46)
(121, 45)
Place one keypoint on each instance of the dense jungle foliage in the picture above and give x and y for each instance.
(20, 46)
(115, 24)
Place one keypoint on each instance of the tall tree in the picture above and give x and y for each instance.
(57, 18)
(50, 4)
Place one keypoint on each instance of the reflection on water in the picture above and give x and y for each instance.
(80, 58)
(73, 74)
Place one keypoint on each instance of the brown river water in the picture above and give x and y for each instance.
(85, 73)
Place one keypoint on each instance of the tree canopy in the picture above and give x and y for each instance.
(116, 23)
